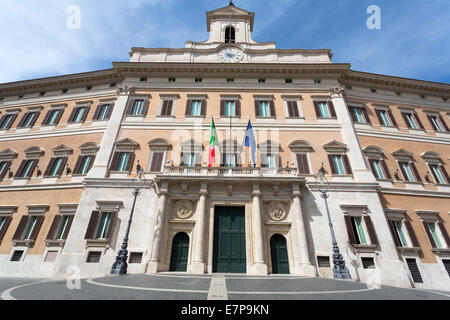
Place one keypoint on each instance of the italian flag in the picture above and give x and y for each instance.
(212, 144)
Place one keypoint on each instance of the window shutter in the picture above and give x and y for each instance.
(23, 222)
(49, 167)
(395, 234)
(432, 123)
(91, 162)
(430, 236)
(55, 223)
(332, 110)
(406, 120)
(5, 170)
(412, 234)
(272, 109)
(69, 224)
(5, 227)
(72, 114)
(348, 168)
(130, 162)
(366, 116)
(371, 230)
(112, 225)
(400, 164)
(37, 228)
(11, 122)
(156, 161)
(316, 108)
(203, 108)
(444, 233)
(416, 173)
(2, 119)
(130, 106)
(436, 180)
(295, 107)
(62, 167)
(33, 121)
(302, 162)
(224, 156)
(330, 159)
(188, 107)
(164, 108)
(145, 107)
(169, 107)
(372, 168)
(257, 114)
(47, 117)
(441, 166)
(115, 161)
(110, 110)
(22, 121)
(33, 166)
(97, 111)
(444, 124)
(85, 114)
(392, 118)
(238, 107)
(351, 234)
(386, 170)
(182, 162)
(222, 108)
(76, 169)
(416, 116)
(92, 225)
(378, 112)
(21, 167)
(352, 114)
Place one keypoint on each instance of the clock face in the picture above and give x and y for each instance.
(231, 55)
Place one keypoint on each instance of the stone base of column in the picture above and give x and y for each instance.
(259, 269)
(306, 270)
(152, 267)
(197, 268)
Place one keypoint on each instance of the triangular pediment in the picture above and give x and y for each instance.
(34, 152)
(224, 13)
(402, 153)
(63, 148)
(300, 145)
(269, 146)
(335, 146)
(7, 154)
(127, 142)
(159, 144)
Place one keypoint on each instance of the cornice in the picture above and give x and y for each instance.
(401, 136)
(41, 187)
(411, 192)
(50, 134)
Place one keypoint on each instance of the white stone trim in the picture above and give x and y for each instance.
(37, 209)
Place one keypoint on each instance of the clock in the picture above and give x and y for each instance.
(231, 55)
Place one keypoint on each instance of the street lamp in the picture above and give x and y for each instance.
(120, 265)
(340, 271)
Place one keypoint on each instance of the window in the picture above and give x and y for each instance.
(84, 164)
(135, 257)
(78, 116)
(324, 109)
(323, 262)
(340, 164)
(53, 117)
(360, 229)
(269, 160)
(2, 222)
(359, 115)
(230, 107)
(446, 265)
(143, 79)
(157, 160)
(438, 123)
(386, 118)
(401, 235)
(7, 121)
(407, 169)
(379, 169)
(103, 112)
(198, 80)
(51, 256)
(17, 255)
(28, 119)
(230, 35)
(437, 234)
(196, 108)
(368, 263)
(414, 270)
(137, 107)
(302, 163)
(93, 257)
(103, 227)
(288, 80)
(412, 120)
(189, 159)
(166, 108)
(62, 227)
(123, 161)
(432, 229)
(229, 80)
(56, 167)
(229, 159)
(293, 110)
(4, 166)
(171, 79)
(439, 173)
(264, 109)
(26, 168)
(261, 80)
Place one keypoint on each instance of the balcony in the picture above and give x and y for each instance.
(229, 171)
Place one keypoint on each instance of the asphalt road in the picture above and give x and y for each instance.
(193, 287)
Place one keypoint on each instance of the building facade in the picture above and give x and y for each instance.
(71, 146)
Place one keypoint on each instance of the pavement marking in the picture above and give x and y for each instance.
(299, 292)
(431, 291)
(177, 276)
(218, 288)
(91, 281)
(6, 295)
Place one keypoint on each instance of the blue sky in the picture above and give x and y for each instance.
(413, 42)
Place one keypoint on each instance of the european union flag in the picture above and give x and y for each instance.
(249, 141)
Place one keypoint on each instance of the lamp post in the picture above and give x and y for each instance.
(120, 265)
(340, 271)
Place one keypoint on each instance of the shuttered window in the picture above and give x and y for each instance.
(407, 172)
(264, 109)
(78, 115)
(414, 270)
(26, 168)
(384, 118)
(123, 161)
(229, 159)
(338, 164)
(137, 107)
(292, 107)
(103, 112)
(196, 108)
(103, 227)
(28, 119)
(358, 229)
(166, 108)
(55, 167)
(4, 166)
(62, 228)
(302, 163)
(52, 117)
(377, 169)
(7, 121)
(432, 230)
(438, 123)
(439, 173)
(157, 160)
(30, 227)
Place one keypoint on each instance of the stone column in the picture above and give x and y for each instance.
(260, 266)
(198, 264)
(100, 166)
(359, 167)
(304, 267)
(157, 231)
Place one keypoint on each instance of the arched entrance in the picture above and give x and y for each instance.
(180, 252)
(278, 252)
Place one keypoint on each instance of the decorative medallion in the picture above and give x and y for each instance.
(184, 209)
(276, 210)
(231, 55)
